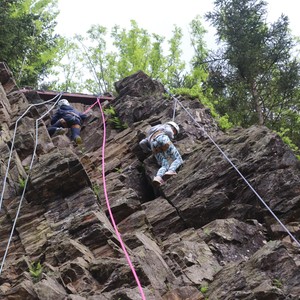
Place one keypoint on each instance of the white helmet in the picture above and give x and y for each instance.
(62, 102)
(174, 125)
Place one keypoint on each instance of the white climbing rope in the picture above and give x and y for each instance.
(13, 140)
(174, 109)
(237, 170)
(30, 167)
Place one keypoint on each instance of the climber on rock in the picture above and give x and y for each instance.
(67, 117)
(158, 140)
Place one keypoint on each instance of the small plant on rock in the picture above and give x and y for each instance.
(22, 182)
(118, 170)
(277, 283)
(203, 289)
(96, 190)
(36, 271)
(206, 231)
(113, 119)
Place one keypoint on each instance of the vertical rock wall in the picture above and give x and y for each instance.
(203, 235)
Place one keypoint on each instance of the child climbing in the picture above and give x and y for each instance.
(67, 117)
(158, 140)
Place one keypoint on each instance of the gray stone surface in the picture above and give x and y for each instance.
(203, 235)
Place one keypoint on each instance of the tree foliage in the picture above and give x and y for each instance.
(28, 43)
(199, 71)
(256, 78)
(130, 50)
(66, 73)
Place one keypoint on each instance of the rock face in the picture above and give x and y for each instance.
(202, 235)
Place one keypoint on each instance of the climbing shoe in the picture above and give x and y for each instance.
(78, 140)
(169, 174)
(157, 180)
(60, 131)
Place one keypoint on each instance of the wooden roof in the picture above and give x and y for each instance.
(71, 97)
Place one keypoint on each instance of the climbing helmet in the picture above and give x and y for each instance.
(63, 102)
(174, 125)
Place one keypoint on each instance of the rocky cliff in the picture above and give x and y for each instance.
(202, 235)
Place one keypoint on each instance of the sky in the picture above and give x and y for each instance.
(156, 16)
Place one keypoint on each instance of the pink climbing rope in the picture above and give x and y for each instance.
(109, 209)
(89, 108)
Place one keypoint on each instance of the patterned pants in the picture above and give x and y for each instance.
(162, 156)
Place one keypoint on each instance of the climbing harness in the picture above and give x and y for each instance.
(236, 169)
(162, 148)
(155, 134)
(63, 123)
(74, 114)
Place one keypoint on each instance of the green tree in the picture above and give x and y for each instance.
(130, 51)
(199, 71)
(67, 71)
(194, 82)
(157, 60)
(138, 50)
(175, 64)
(255, 77)
(100, 63)
(133, 47)
(28, 43)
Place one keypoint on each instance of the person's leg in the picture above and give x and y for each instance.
(157, 147)
(75, 125)
(174, 154)
(52, 128)
(163, 162)
(75, 133)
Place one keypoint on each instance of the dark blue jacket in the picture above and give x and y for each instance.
(69, 114)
